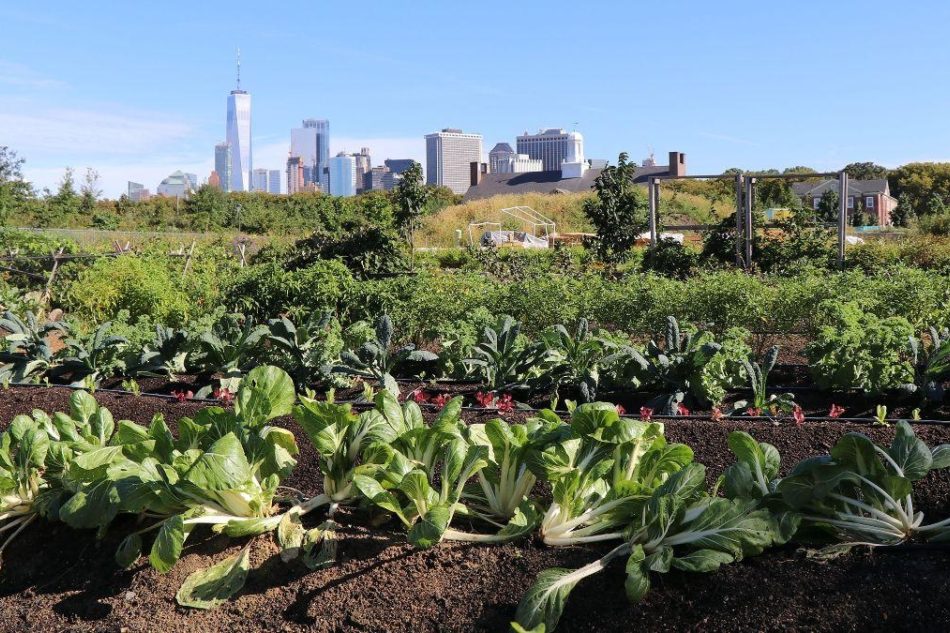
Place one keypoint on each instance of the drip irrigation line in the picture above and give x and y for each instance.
(359, 404)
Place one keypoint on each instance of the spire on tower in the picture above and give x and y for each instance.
(239, 69)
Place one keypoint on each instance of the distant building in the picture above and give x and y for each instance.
(138, 192)
(222, 164)
(363, 166)
(214, 180)
(503, 160)
(382, 178)
(342, 175)
(552, 146)
(295, 170)
(259, 180)
(398, 165)
(564, 180)
(178, 185)
(311, 143)
(239, 138)
(872, 197)
(449, 155)
(273, 181)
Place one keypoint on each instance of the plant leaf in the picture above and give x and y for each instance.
(208, 588)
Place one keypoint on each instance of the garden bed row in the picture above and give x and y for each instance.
(56, 578)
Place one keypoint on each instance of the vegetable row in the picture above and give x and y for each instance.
(613, 479)
(683, 368)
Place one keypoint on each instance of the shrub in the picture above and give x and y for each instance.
(267, 290)
(670, 258)
(858, 350)
(142, 286)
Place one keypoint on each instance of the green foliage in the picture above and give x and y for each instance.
(858, 350)
(366, 249)
(619, 213)
(670, 258)
(503, 361)
(266, 290)
(28, 353)
(143, 286)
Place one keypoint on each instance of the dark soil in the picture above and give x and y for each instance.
(55, 578)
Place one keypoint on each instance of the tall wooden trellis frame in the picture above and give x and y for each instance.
(745, 198)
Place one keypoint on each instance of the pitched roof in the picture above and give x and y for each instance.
(502, 147)
(546, 182)
(859, 187)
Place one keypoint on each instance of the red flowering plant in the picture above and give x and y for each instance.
(440, 400)
(798, 415)
(646, 414)
(716, 414)
(182, 396)
(836, 411)
(223, 395)
(419, 396)
(485, 399)
(621, 410)
(505, 403)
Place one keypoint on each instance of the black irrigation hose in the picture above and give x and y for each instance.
(362, 404)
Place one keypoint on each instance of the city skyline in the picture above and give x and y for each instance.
(733, 88)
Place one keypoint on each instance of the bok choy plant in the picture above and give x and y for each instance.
(600, 468)
(24, 448)
(862, 493)
(677, 526)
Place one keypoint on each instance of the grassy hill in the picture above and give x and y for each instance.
(680, 203)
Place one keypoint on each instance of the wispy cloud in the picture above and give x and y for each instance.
(68, 131)
(14, 74)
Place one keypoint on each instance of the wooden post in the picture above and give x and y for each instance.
(47, 294)
(242, 248)
(842, 214)
(749, 199)
(739, 224)
(191, 251)
(652, 187)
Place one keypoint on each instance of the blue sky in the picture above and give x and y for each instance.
(138, 90)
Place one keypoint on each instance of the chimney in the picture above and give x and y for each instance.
(476, 171)
(677, 166)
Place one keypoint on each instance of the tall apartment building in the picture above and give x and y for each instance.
(363, 166)
(342, 175)
(222, 164)
(138, 192)
(449, 155)
(552, 146)
(295, 183)
(273, 181)
(259, 180)
(311, 143)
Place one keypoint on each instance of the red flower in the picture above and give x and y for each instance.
(798, 415)
(440, 400)
(753, 412)
(716, 415)
(181, 396)
(646, 413)
(223, 394)
(681, 409)
(419, 396)
(505, 403)
(836, 411)
(621, 410)
(485, 400)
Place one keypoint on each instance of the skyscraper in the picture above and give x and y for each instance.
(553, 146)
(449, 155)
(312, 144)
(259, 180)
(363, 165)
(222, 164)
(342, 175)
(273, 181)
(295, 182)
(239, 135)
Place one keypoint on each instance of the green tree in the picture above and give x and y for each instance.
(209, 208)
(90, 192)
(410, 197)
(866, 171)
(903, 213)
(917, 183)
(619, 212)
(13, 189)
(828, 206)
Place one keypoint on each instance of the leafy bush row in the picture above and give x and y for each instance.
(613, 480)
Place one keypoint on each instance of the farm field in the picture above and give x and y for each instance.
(54, 577)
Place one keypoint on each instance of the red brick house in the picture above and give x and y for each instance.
(872, 197)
